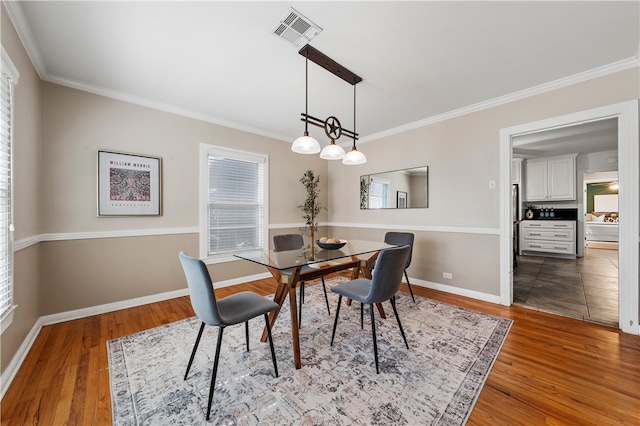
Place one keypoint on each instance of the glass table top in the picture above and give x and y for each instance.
(311, 255)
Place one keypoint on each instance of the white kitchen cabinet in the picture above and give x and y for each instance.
(548, 236)
(516, 170)
(550, 179)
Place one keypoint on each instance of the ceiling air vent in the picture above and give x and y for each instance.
(296, 28)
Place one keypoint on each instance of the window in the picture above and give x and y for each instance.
(9, 77)
(379, 193)
(233, 202)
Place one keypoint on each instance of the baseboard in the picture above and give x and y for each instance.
(10, 372)
(139, 301)
(485, 297)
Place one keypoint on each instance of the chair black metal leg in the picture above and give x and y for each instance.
(193, 352)
(246, 333)
(395, 311)
(335, 323)
(409, 285)
(361, 317)
(215, 370)
(273, 352)
(373, 333)
(326, 298)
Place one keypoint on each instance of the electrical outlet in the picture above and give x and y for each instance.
(447, 275)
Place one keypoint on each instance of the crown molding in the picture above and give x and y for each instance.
(14, 11)
(149, 103)
(602, 71)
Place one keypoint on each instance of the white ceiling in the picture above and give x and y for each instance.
(420, 61)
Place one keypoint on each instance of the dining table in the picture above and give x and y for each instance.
(287, 269)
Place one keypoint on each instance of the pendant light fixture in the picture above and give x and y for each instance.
(354, 157)
(332, 128)
(305, 144)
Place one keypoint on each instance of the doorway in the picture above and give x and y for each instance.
(586, 286)
(626, 114)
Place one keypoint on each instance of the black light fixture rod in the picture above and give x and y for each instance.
(306, 94)
(320, 123)
(329, 64)
(354, 114)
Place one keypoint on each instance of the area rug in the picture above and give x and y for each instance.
(435, 382)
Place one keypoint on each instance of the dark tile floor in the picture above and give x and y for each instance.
(585, 288)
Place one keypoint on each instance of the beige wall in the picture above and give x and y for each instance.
(26, 179)
(463, 156)
(77, 124)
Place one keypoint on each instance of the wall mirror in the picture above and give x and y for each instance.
(397, 189)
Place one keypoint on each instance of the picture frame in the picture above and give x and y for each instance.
(401, 200)
(129, 184)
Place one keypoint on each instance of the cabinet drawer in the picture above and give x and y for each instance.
(549, 224)
(549, 246)
(549, 234)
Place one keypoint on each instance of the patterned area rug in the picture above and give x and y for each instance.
(435, 382)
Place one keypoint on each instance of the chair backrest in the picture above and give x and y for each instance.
(286, 242)
(401, 238)
(389, 268)
(203, 298)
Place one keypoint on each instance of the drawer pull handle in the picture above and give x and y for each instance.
(560, 248)
(534, 224)
(560, 235)
(534, 245)
(560, 225)
(535, 233)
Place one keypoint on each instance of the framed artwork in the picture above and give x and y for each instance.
(128, 184)
(401, 202)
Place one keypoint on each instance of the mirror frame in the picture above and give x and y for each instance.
(401, 196)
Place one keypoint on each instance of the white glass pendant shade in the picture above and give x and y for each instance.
(354, 157)
(332, 152)
(305, 145)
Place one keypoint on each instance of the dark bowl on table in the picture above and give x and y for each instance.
(331, 246)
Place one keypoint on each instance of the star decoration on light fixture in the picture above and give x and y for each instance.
(332, 128)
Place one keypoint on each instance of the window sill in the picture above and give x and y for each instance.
(221, 259)
(7, 319)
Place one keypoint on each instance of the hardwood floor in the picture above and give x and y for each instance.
(551, 370)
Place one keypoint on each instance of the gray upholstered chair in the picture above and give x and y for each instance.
(402, 238)
(382, 287)
(286, 242)
(231, 310)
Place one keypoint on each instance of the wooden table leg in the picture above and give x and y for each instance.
(365, 267)
(355, 273)
(295, 336)
(287, 284)
(279, 297)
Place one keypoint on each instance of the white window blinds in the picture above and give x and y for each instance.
(235, 201)
(6, 212)
(379, 194)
